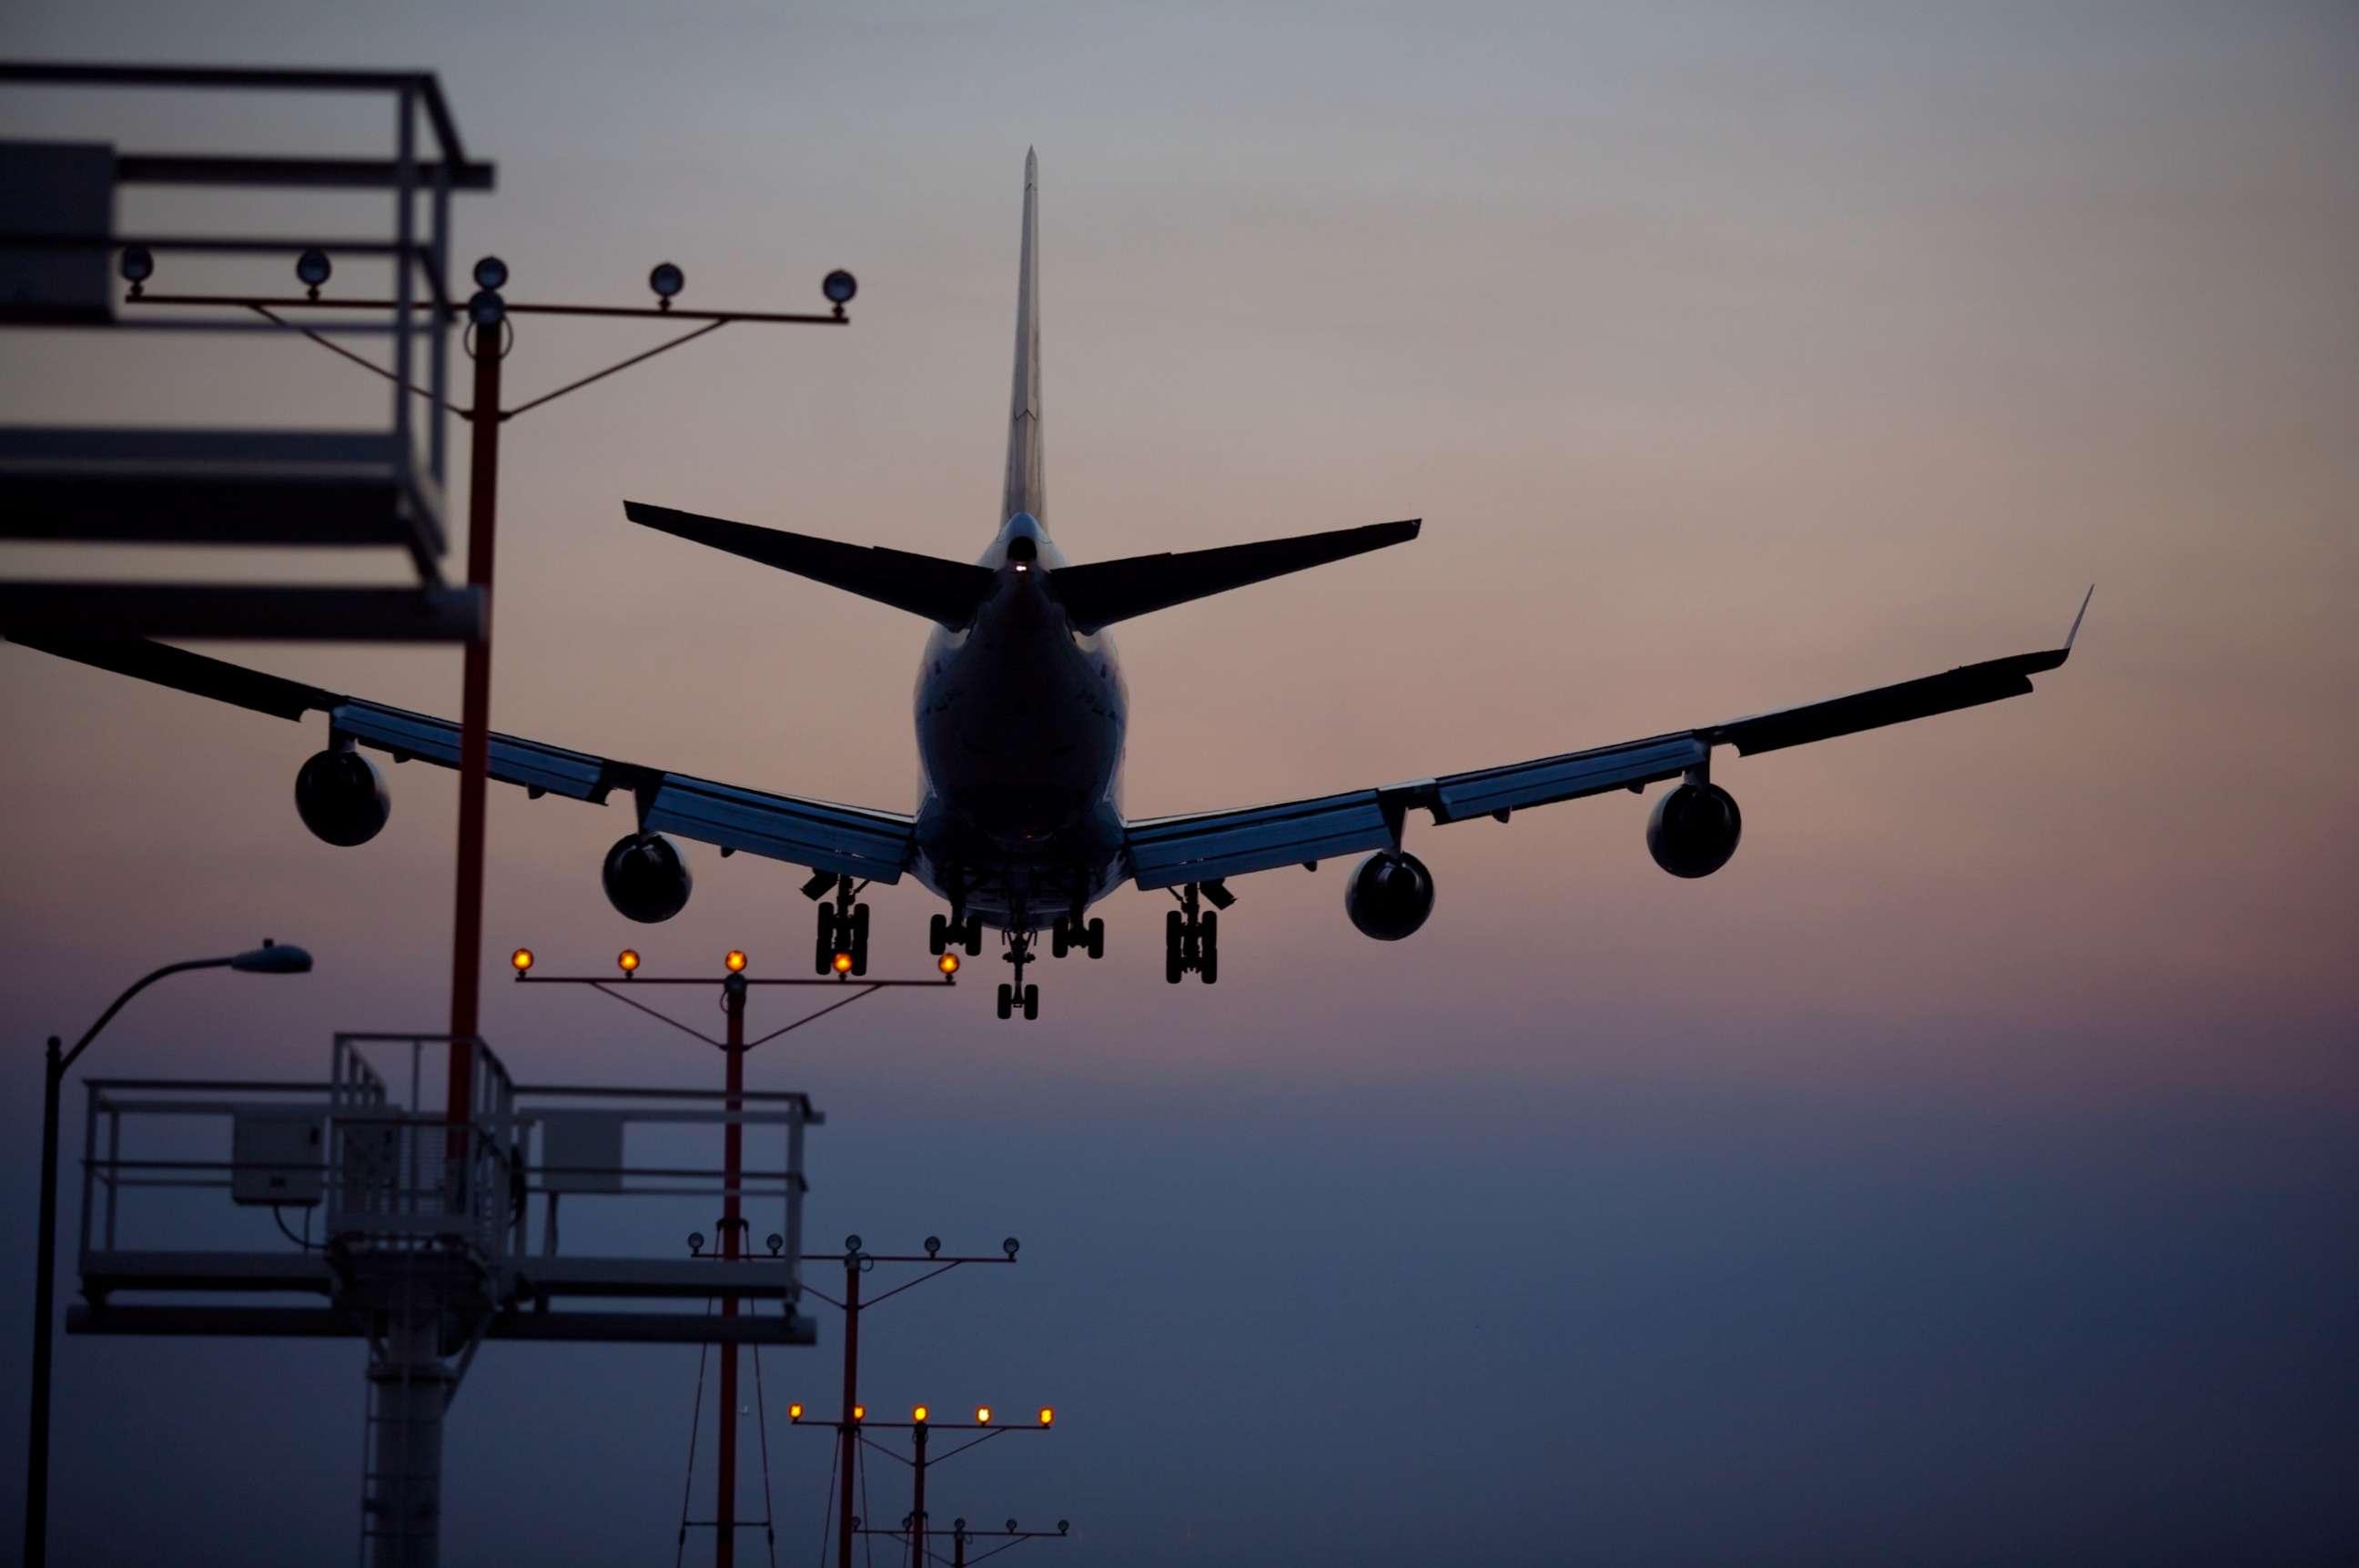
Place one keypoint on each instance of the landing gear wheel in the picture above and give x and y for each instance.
(823, 951)
(1061, 937)
(1175, 955)
(859, 942)
(938, 935)
(1007, 1000)
(1095, 941)
(1031, 1002)
(973, 935)
(1208, 947)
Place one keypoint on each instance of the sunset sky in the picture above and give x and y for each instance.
(1964, 1173)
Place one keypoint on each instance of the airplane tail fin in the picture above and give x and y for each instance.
(1103, 592)
(1027, 489)
(944, 591)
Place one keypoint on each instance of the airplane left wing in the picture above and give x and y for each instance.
(1166, 851)
(850, 841)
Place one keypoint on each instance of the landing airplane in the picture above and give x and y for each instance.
(1020, 719)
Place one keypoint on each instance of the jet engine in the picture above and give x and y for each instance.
(341, 799)
(1389, 895)
(1694, 829)
(647, 878)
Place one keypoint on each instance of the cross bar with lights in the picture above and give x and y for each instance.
(734, 983)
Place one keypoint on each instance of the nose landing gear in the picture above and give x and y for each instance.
(1192, 933)
(1017, 994)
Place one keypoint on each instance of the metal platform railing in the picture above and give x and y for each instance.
(395, 1188)
(381, 484)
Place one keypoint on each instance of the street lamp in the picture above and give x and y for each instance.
(270, 958)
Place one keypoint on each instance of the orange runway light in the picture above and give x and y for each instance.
(983, 1415)
(522, 959)
(1047, 1416)
(860, 1412)
(736, 961)
(627, 961)
(794, 1412)
(843, 964)
(948, 964)
(918, 1414)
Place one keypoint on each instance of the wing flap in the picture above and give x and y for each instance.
(848, 841)
(1167, 851)
(575, 775)
(1458, 796)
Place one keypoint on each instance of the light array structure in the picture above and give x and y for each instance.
(733, 1233)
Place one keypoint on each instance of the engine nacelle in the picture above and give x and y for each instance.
(646, 879)
(1694, 829)
(341, 797)
(1389, 895)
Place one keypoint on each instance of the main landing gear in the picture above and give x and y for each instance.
(955, 930)
(1192, 933)
(1020, 994)
(1072, 933)
(843, 944)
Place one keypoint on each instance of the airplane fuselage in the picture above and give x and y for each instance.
(1020, 721)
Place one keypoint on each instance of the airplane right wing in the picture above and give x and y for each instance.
(850, 841)
(1205, 846)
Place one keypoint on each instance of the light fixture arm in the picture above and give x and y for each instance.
(137, 987)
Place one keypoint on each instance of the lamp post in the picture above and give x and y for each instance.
(270, 958)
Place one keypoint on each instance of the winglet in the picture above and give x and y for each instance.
(2075, 632)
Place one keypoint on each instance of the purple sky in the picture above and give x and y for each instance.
(1963, 1172)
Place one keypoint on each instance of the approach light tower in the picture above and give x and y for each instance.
(731, 1228)
(491, 336)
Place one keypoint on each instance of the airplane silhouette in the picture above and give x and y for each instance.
(1021, 713)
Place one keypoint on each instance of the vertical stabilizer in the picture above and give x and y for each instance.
(1027, 483)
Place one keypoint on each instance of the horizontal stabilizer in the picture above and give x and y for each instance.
(944, 591)
(1105, 592)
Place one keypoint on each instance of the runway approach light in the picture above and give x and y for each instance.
(313, 268)
(948, 964)
(983, 1415)
(486, 309)
(794, 1412)
(627, 961)
(138, 264)
(918, 1414)
(522, 959)
(839, 286)
(491, 273)
(843, 964)
(666, 281)
(1047, 1416)
(736, 961)
(860, 1412)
